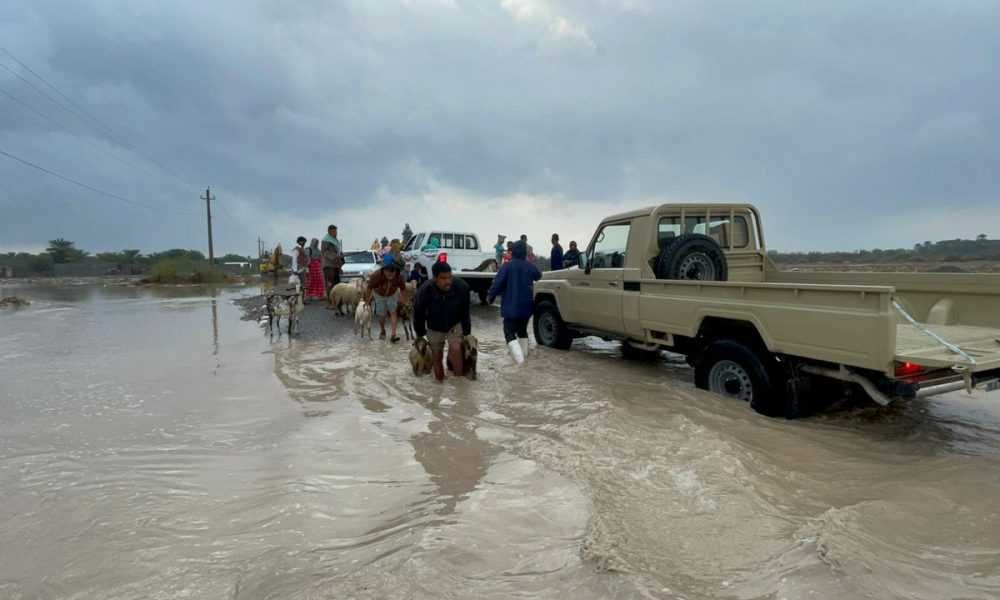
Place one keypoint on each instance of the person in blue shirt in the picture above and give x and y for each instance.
(556, 258)
(499, 249)
(515, 283)
(418, 274)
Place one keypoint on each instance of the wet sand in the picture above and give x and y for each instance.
(154, 444)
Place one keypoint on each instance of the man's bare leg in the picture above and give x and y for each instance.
(455, 357)
(439, 365)
(394, 318)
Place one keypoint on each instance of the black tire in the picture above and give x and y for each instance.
(630, 352)
(692, 256)
(730, 368)
(550, 330)
(483, 297)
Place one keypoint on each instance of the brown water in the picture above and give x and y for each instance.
(153, 445)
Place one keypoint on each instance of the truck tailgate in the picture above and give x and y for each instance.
(981, 344)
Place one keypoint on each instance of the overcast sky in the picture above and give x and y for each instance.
(850, 124)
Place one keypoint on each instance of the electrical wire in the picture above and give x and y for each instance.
(81, 184)
(82, 114)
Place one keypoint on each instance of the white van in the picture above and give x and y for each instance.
(460, 250)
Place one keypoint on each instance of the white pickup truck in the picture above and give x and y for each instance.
(469, 261)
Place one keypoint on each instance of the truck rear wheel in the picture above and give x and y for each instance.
(692, 257)
(731, 369)
(550, 330)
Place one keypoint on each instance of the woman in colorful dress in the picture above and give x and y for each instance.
(316, 288)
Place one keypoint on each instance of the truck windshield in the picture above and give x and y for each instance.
(355, 258)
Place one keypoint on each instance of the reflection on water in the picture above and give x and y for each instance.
(142, 455)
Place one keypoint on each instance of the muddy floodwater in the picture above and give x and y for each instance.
(153, 444)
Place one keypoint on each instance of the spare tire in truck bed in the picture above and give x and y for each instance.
(692, 256)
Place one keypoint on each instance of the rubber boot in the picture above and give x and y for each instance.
(516, 352)
(523, 342)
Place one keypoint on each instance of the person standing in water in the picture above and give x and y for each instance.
(385, 287)
(515, 283)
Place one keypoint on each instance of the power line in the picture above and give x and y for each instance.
(54, 88)
(78, 183)
(69, 130)
(81, 114)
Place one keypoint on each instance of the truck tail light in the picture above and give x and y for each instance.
(907, 369)
(443, 257)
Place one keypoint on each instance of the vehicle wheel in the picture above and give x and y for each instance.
(693, 257)
(630, 352)
(550, 330)
(731, 369)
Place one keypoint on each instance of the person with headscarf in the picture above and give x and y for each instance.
(499, 248)
(515, 283)
(314, 282)
(300, 261)
(333, 258)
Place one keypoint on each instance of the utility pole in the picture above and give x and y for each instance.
(208, 207)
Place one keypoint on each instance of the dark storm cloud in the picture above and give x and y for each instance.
(851, 124)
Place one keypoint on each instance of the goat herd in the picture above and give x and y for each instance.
(346, 299)
(349, 298)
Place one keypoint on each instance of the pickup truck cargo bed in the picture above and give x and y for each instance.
(982, 344)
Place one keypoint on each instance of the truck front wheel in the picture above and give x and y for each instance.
(731, 369)
(550, 330)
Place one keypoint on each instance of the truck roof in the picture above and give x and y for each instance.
(651, 210)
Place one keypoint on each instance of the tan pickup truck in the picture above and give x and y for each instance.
(696, 280)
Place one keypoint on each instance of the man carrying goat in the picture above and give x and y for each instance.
(441, 312)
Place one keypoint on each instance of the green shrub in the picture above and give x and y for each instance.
(184, 270)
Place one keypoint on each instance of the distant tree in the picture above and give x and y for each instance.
(64, 251)
(981, 237)
(233, 258)
(407, 234)
(130, 255)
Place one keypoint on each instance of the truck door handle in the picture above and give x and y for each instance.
(613, 283)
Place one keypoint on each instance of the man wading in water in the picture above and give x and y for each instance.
(441, 312)
(515, 283)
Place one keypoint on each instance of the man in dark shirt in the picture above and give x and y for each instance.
(572, 256)
(441, 312)
(556, 257)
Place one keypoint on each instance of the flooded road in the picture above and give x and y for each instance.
(155, 445)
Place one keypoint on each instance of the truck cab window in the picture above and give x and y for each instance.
(459, 241)
(471, 243)
(719, 228)
(608, 251)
